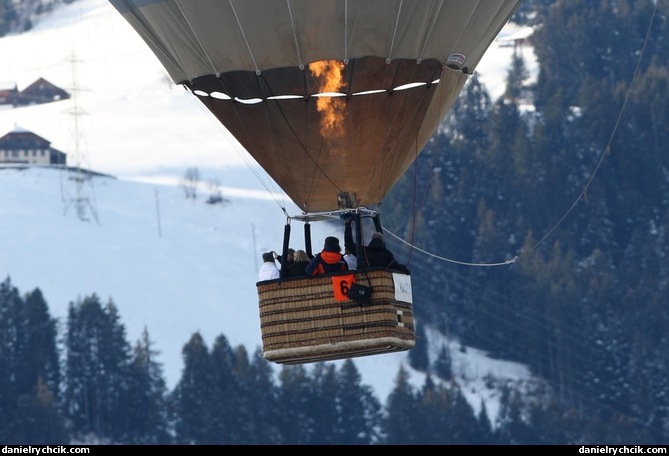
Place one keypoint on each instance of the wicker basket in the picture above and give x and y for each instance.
(306, 320)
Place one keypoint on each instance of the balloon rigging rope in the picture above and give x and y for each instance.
(383, 158)
(392, 41)
(415, 210)
(297, 44)
(241, 29)
(197, 37)
(513, 260)
(415, 191)
(429, 33)
(276, 195)
(346, 31)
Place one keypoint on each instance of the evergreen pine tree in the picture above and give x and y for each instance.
(325, 405)
(97, 372)
(444, 416)
(40, 422)
(264, 424)
(41, 343)
(442, 365)
(191, 398)
(401, 409)
(465, 424)
(228, 419)
(29, 370)
(295, 401)
(148, 420)
(13, 380)
(512, 428)
(431, 423)
(359, 411)
(43, 367)
(516, 77)
(486, 432)
(114, 361)
(418, 356)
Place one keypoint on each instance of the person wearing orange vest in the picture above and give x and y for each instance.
(329, 259)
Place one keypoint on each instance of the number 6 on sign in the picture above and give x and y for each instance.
(341, 285)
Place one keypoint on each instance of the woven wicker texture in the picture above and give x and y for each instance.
(301, 321)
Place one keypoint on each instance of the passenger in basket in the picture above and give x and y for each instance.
(376, 254)
(268, 270)
(298, 266)
(329, 260)
(290, 256)
(349, 245)
(350, 258)
(290, 253)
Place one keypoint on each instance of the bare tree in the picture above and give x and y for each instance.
(190, 182)
(215, 194)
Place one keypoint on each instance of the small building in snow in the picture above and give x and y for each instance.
(21, 146)
(41, 91)
(9, 94)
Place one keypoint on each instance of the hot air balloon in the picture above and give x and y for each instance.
(335, 100)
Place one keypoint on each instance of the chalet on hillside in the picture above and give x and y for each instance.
(21, 146)
(41, 91)
(9, 94)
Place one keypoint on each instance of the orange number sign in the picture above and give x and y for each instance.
(341, 285)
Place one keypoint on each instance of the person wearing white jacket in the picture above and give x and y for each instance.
(268, 270)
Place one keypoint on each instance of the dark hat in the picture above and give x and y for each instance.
(331, 244)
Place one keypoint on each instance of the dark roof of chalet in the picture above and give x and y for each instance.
(41, 86)
(21, 139)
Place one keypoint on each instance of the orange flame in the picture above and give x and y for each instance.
(329, 74)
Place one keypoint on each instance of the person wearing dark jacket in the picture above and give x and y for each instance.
(290, 253)
(328, 260)
(297, 268)
(375, 254)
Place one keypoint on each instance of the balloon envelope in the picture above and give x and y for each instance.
(330, 97)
